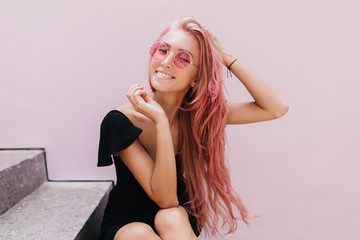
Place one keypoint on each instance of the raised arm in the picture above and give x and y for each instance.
(158, 176)
(267, 105)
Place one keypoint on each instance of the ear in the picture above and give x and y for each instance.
(193, 83)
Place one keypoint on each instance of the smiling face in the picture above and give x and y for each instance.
(164, 76)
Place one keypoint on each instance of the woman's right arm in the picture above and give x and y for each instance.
(158, 176)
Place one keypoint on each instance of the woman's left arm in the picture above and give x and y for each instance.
(268, 104)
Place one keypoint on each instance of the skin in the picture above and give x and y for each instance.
(153, 162)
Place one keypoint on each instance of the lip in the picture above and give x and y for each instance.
(164, 72)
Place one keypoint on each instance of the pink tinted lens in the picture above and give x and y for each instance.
(158, 51)
(182, 60)
(153, 48)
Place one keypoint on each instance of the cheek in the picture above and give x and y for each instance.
(193, 74)
(152, 67)
(152, 64)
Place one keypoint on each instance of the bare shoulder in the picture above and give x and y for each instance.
(126, 109)
(135, 117)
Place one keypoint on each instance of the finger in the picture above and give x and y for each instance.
(130, 94)
(133, 87)
(207, 29)
(134, 101)
(138, 99)
(139, 94)
(132, 90)
(145, 95)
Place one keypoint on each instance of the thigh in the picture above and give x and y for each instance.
(135, 231)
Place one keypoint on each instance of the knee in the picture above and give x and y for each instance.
(136, 231)
(171, 219)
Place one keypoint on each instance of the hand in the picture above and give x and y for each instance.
(226, 56)
(215, 41)
(144, 104)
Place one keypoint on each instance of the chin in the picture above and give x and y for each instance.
(163, 85)
(156, 84)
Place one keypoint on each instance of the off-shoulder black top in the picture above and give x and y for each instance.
(128, 202)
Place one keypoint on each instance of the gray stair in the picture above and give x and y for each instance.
(21, 172)
(52, 210)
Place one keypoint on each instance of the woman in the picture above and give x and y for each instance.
(168, 144)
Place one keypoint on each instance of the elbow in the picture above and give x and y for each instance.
(165, 197)
(281, 113)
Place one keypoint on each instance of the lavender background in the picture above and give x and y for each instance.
(65, 64)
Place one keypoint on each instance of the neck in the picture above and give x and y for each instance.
(170, 102)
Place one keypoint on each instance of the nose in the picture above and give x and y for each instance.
(168, 60)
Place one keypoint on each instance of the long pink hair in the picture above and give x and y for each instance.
(202, 139)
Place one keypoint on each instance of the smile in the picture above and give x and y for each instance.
(163, 75)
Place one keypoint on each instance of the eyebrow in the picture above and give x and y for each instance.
(179, 49)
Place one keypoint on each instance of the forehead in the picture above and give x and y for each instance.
(179, 39)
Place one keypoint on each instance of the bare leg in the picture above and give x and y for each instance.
(136, 231)
(173, 224)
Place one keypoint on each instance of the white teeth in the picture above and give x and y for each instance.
(164, 75)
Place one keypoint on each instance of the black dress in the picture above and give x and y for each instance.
(128, 202)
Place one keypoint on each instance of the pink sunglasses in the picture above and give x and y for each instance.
(159, 52)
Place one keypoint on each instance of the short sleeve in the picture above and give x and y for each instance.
(117, 132)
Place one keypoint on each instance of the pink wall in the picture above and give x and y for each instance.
(65, 64)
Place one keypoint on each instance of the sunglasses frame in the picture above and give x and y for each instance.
(173, 58)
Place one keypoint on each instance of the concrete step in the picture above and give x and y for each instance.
(21, 172)
(58, 210)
